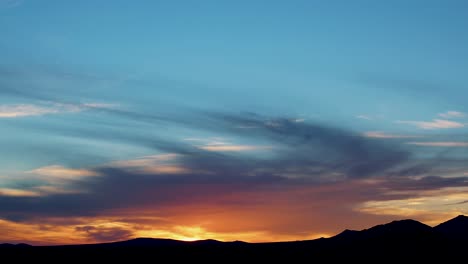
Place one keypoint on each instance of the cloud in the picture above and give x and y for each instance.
(365, 117)
(24, 110)
(452, 114)
(60, 172)
(18, 192)
(58, 179)
(380, 134)
(312, 168)
(313, 153)
(47, 181)
(146, 160)
(12, 111)
(434, 124)
(440, 144)
(154, 164)
(432, 206)
(233, 147)
(105, 234)
(298, 120)
(36, 191)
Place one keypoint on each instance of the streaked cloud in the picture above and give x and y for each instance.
(153, 164)
(431, 206)
(146, 160)
(365, 117)
(57, 172)
(12, 111)
(24, 110)
(440, 144)
(381, 134)
(45, 190)
(434, 124)
(37, 191)
(298, 120)
(51, 180)
(225, 147)
(105, 234)
(198, 193)
(452, 114)
(18, 192)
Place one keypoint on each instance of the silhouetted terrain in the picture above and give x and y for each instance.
(396, 241)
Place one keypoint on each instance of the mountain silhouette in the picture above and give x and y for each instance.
(8, 245)
(397, 241)
(456, 228)
(396, 229)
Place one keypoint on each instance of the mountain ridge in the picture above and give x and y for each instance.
(396, 239)
(449, 228)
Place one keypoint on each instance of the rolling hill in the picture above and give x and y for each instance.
(397, 240)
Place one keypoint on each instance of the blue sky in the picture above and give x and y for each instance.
(86, 86)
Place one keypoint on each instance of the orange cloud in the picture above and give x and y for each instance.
(18, 192)
(233, 147)
(431, 207)
(434, 124)
(57, 172)
(156, 164)
(380, 134)
(440, 144)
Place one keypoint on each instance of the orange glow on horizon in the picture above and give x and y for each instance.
(63, 234)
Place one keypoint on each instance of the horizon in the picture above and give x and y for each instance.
(247, 120)
(231, 241)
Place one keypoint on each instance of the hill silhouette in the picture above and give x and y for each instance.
(456, 228)
(397, 240)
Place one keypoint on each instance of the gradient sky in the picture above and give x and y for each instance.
(231, 120)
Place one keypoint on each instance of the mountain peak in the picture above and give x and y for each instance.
(464, 217)
(458, 219)
(405, 228)
(454, 228)
(402, 226)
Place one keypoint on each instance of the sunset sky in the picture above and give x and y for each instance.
(229, 120)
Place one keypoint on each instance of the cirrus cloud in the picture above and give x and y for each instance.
(380, 134)
(440, 144)
(452, 114)
(434, 124)
(25, 110)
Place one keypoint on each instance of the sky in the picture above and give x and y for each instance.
(229, 120)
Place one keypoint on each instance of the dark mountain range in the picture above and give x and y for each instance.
(398, 240)
(456, 228)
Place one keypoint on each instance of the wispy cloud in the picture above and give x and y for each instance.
(434, 124)
(18, 192)
(49, 180)
(433, 205)
(223, 145)
(365, 117)
(298, 120)
(58, 172)
(154, 164)
(452, 114)
(380, 134)
(105, 233)
(24, 110)
(334, 165)
(12, 111)
(233, 147)
(440, 144)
